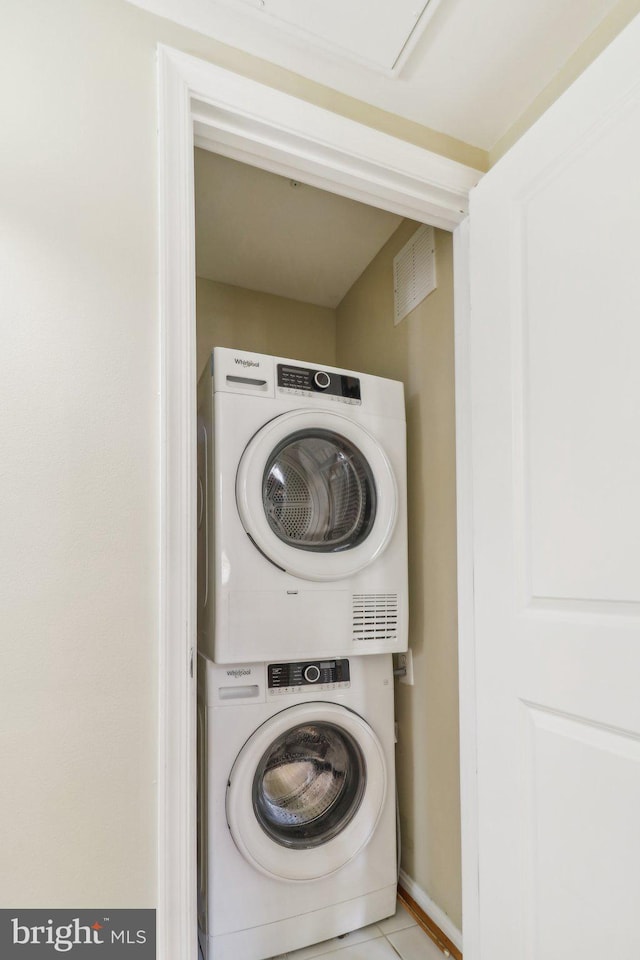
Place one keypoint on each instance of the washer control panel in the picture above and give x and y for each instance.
(285, 678)
(305, 381)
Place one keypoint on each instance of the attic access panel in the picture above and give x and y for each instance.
(376, 35)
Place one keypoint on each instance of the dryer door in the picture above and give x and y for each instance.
(317, 495)
(306, 791)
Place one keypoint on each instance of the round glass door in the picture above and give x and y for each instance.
(309, 785)
(318, 492)
(306, 791)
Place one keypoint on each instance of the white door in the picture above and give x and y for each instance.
(555, 358)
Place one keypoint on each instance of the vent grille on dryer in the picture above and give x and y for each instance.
(375, 616)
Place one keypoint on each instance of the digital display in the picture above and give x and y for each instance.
(319, 382)
(307, 673)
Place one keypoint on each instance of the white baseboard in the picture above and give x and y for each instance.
(431, 909)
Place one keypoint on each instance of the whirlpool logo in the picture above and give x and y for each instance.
(239, 673)
(114, 933)
(246, 363)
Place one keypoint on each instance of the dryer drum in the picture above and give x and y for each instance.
(318, 492)
(309, 785)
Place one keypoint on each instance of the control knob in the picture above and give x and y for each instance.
(321, 380)
(311, 673)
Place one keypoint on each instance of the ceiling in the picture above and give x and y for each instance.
(466, 68)
(257, 230)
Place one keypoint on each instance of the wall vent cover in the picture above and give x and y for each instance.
(414, 272)
(375, 616)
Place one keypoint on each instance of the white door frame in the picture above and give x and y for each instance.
(206, 105)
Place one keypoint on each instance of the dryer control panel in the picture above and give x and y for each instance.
(305, 381)
(293, 677)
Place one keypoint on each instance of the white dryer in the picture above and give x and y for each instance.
(302, 510)
(297, 835)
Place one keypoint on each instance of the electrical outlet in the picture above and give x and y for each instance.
(406, 660)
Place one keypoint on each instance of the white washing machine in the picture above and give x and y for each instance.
(297, 834)
(302, 510)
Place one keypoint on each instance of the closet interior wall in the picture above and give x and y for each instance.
(360, 335)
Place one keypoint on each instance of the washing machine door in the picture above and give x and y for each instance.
(306, 791)
(317, 494)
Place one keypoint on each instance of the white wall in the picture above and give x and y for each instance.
(79, 489)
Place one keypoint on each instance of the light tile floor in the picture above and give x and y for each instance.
(397, 936)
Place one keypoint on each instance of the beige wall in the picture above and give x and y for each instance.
(247, 320)
(419, 351)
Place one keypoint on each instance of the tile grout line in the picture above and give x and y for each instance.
(331, 953)
(381, 936)
(397, 953)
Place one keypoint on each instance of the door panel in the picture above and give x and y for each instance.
(584, 795)
(579, 278)
(555, 342)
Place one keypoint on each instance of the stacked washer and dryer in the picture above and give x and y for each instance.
(302, 599)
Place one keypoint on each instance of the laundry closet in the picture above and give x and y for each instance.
(348, 323)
